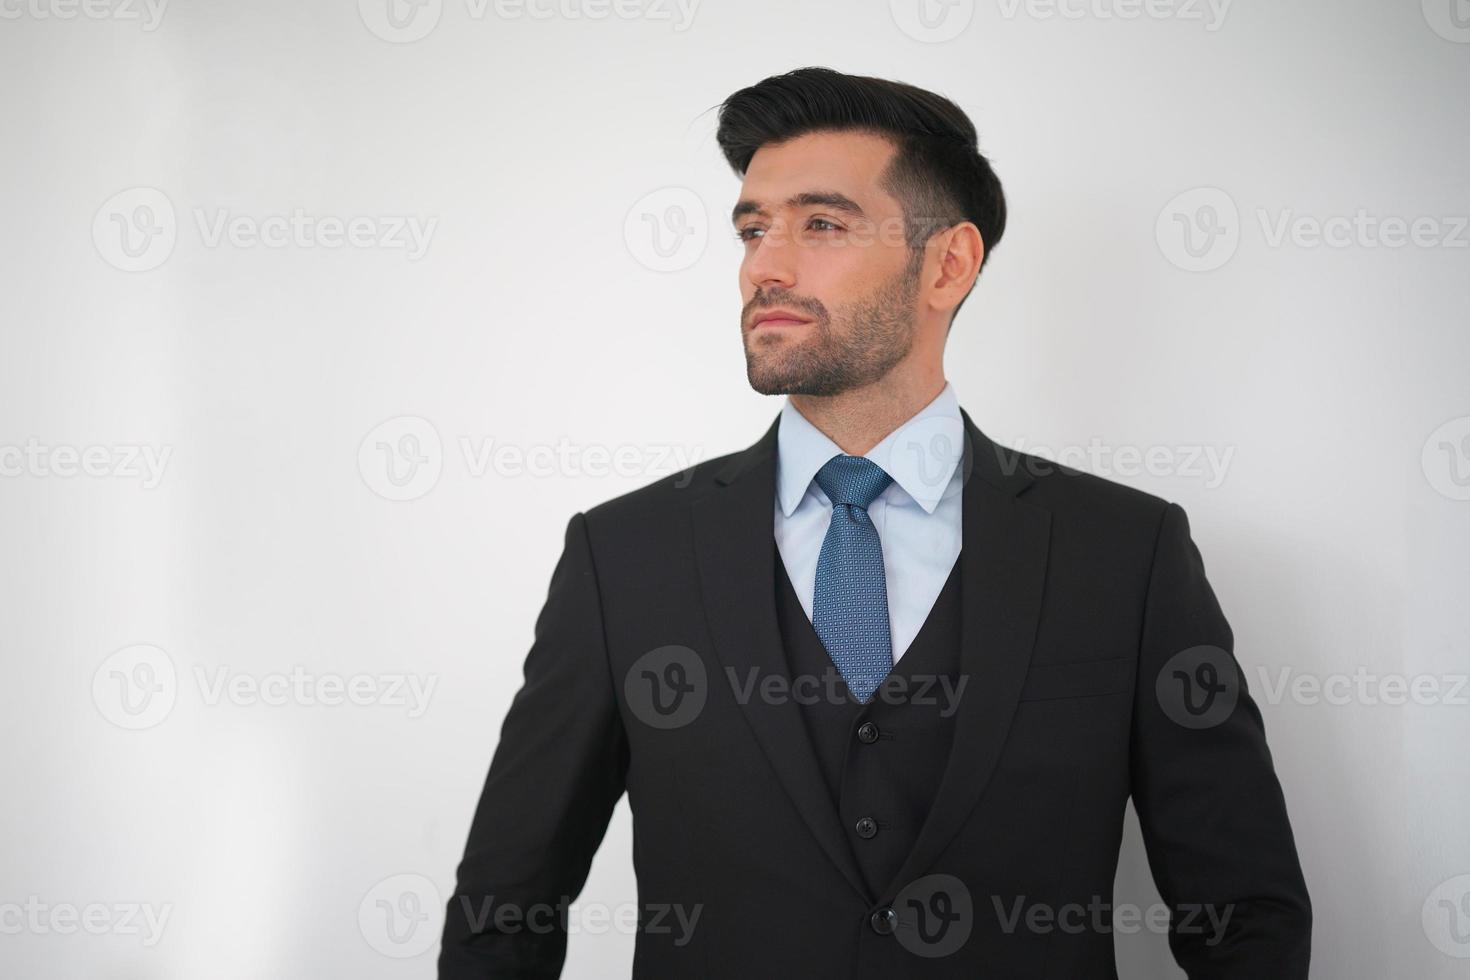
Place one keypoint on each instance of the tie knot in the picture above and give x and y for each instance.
(854, 480)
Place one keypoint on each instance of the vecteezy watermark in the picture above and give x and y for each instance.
(123, 461)
(937, 21)
(1206, 464)
(668, 687)
(406, 21)
(1362, 229)
(403, 459)
(1198, 687)
(401, 916)
(1200, 230)
(1102, 916)
(922, 690)
(933, 916)
(934, 447)
(137, 687)
(489, 914)
(40, 918)
(297, 686)
(1446, 917)
(1445, 459)
(1450, 19)
(1363, 687)
(667, 230)
(1210, 13)
(147, 13)
(137, 229)
(932, 21)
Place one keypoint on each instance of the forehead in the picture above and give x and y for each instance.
(848, 163)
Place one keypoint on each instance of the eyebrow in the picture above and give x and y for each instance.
(805, 199)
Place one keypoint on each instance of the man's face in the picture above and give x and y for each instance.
(823, 242)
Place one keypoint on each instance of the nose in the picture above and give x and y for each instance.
(771, 262)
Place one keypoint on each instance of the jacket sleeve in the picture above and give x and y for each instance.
(1211, 810)
(557, 773)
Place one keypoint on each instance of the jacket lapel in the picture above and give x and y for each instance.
(1003, 565)
(734, 540)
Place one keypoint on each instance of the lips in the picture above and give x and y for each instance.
(778, 318)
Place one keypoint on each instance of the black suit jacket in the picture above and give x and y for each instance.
(1099, 667)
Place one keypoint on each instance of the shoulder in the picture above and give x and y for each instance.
(1076, 499)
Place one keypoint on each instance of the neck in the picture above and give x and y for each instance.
(859, 419)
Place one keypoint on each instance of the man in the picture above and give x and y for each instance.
(878, 689)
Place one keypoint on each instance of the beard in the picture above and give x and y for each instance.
(877, 332)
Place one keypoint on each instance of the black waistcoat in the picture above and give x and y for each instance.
(882, 760)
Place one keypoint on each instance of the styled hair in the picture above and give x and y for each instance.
(938, 173)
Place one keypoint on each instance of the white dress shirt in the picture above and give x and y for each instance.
(917, 516)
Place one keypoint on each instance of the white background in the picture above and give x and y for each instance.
(542, 152)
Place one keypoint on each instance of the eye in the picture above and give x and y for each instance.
(744, 234)
(832, 226)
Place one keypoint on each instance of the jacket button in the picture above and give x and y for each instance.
(866, 827)
(867, 733)
(884, 921)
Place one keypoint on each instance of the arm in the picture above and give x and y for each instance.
(556, 775)
(1211, 810)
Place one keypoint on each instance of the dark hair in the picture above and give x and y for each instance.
(938, 174)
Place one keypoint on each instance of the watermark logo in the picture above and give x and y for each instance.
(667, 230)
(405, 21)
(1198, 687)
(408, 233)
(1211, 13)
(124, 461)
(402, 458)
(935, 444)
(1364, 687)
(40, 918)
(932, 21)
(940, 691)
(1450, 19)
(1362, 229)
(486, 914)
(148, 13)
(136, 687)
(400, 21)
(401, 916)
(666, 687)
(1100, 916)
(1446, 459)
(298, 686)
(935, 916)
(1446, 917)
(135, 230)
(1199, 230)
(1206, 464)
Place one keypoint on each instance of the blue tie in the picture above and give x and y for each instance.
(850, 605)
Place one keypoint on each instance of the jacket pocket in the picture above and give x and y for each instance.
(1045, 682)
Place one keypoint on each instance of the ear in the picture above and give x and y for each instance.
(958, 251)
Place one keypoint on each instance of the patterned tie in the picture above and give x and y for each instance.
(850, 606)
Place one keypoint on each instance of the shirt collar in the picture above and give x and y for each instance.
(920, 455)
